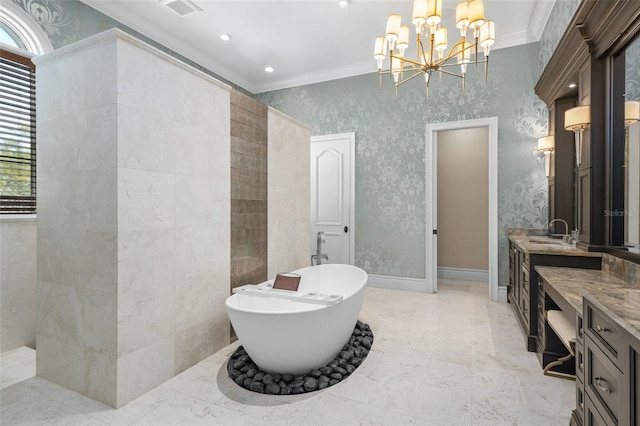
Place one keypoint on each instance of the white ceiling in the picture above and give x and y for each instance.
(305, 41)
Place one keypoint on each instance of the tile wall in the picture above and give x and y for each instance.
(289, 191)
(248, 190)
(17, 284)
(134, 217)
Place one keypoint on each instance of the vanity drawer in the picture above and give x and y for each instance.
(603, 382)
(604, 331)
(592, 417)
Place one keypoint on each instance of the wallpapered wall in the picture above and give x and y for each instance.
(561, 15)
(390, 135)
(632, 72)
(390, 139)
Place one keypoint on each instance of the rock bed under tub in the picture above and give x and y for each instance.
(247, 374)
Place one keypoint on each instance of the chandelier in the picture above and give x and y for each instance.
(434, 56)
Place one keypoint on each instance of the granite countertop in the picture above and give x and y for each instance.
(540, 244)
(613, 296)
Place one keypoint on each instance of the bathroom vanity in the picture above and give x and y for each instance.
(605, 311)
(528, 249)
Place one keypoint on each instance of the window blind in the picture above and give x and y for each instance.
(17, 134)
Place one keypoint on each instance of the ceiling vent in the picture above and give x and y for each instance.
(182, 7)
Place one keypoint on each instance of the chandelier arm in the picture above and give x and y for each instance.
(476, 43)
(450, 73)
(409, 78)
(431, 43)
(486, 67)
(424, 56)
(451, 53)
(411, 61)
(456, 65)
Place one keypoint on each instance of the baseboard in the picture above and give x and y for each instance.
(463, 274)
(397, 283)
(502, 294)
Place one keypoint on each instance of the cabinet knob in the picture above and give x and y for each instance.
(602, 384)
(581, 366)
(601, 329)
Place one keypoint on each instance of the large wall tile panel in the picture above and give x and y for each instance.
(17, 285)
(77, 219)
(134, 217)
(248, 190)
(289, 191)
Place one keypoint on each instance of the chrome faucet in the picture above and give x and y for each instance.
(565, 237)
(319, 255)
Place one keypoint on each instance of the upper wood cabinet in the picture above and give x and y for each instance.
(598, 31)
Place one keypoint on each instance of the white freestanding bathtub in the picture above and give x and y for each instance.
(288, 336)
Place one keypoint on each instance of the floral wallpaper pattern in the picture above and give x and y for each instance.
(390, 137)
(390, 143)
(632, 71)
(561, 15)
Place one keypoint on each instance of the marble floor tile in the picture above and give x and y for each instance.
(183, 409)
(18, 364)
(450, 358)
(433, 404)
(334, 410)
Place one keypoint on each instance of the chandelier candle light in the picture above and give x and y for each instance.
(427, 15)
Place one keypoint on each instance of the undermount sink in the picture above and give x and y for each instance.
(546, 241)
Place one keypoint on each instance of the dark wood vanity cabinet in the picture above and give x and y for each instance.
(526, 302)
(608, 391)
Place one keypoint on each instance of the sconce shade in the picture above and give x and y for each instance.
(577, 118)
(631, 112)
(546, 144)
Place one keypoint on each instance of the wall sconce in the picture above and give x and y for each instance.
(631, 112)
(576, 120)
(546, 146)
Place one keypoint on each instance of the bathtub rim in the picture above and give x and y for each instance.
(310, 307)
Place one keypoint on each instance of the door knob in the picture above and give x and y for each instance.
(346, 229)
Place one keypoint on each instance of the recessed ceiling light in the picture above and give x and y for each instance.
(225, 37)
(344, 3)
(268, 69)
(572, 85)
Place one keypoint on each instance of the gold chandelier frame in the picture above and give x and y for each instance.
(426, 19)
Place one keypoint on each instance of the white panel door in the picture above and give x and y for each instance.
(332, 196)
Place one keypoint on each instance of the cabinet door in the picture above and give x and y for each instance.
(516, 276)
(525, 295)
(592, 417)
(584, 204)
(634, 381)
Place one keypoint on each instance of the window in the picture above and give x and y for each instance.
(17, 134)
(20, 39)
